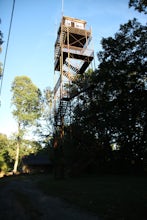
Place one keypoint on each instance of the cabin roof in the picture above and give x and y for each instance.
(33, 159)
(74, 19)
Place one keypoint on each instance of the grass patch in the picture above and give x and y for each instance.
(110, 196)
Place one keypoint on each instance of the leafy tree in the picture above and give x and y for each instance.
(7, 153)
(112, 107)
(45, 122)
(3, 152)
(123, 62)
(139, 5)
(27, 109)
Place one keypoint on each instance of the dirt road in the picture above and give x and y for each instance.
(22, 200)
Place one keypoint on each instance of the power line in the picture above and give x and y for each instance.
(7, 46)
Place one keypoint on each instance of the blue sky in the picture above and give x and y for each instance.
(33, 34)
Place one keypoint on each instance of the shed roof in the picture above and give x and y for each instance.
(33, 159)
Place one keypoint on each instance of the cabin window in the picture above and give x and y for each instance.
(68, 23)
(79, 25)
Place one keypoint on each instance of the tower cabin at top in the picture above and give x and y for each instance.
(72, 22)
(72, 41)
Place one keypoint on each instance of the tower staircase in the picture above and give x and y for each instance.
(72, 57)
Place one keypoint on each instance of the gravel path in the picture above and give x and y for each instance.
(22, 200)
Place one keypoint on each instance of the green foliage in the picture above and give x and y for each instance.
(139, 5)
(26, 100)
(8, 151)
(3, 164)
(121, 77)
(45, 123)
(5, 153)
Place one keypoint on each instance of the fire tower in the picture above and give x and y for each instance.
(72, 56)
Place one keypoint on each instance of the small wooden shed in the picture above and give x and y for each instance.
(36, 164)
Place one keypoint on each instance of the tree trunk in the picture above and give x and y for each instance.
(17, 151)
(16, 158)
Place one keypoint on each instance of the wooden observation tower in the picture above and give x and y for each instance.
(72, 57)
